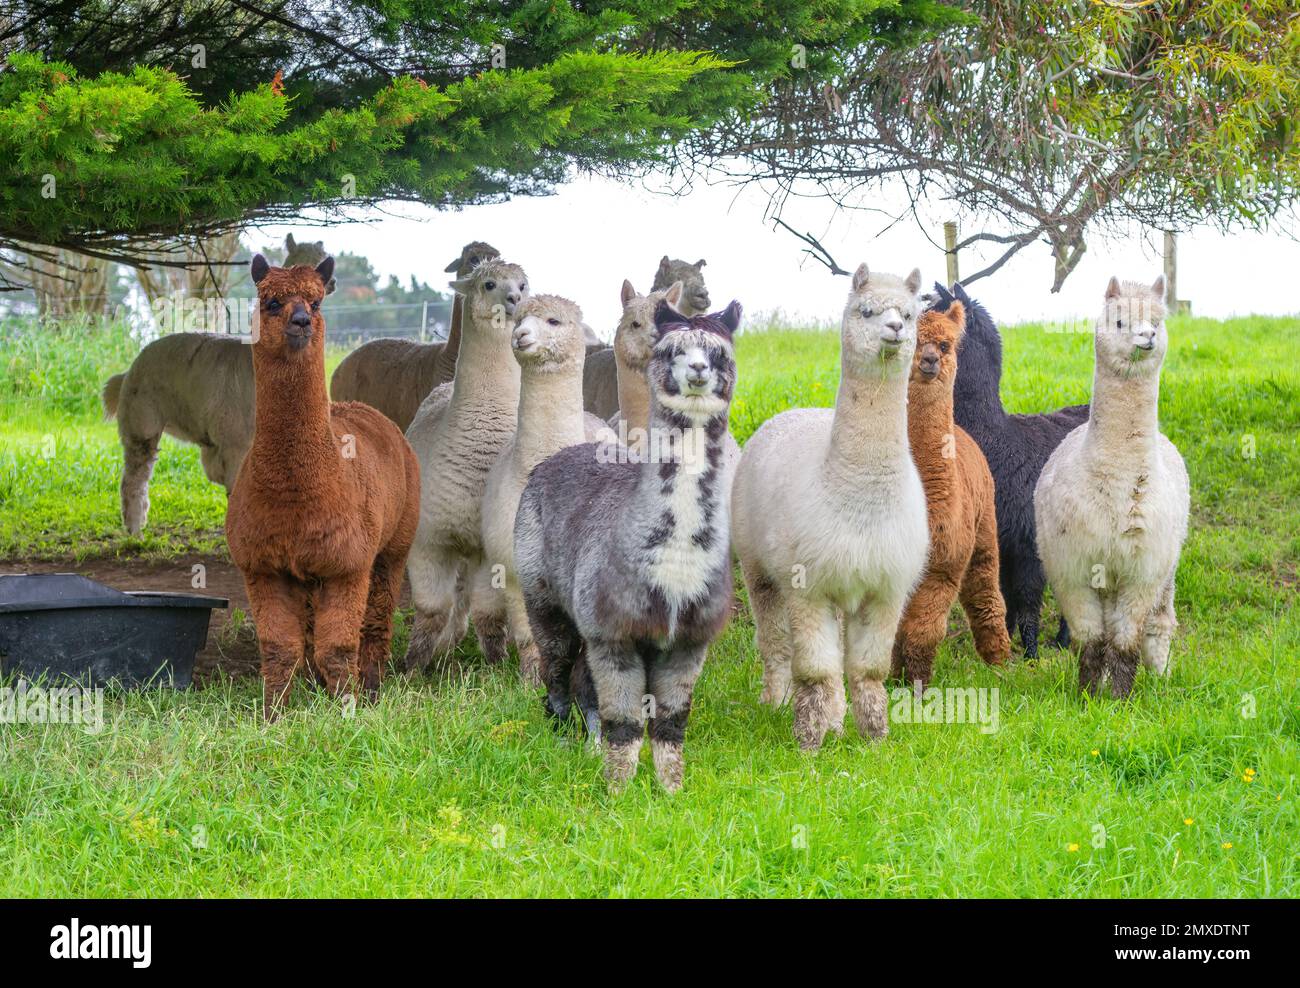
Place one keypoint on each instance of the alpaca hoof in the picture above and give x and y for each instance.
(1062, 639)
(493, 649)
(776, 696)
(871, 710)
(815, 706)
(620, 765)
(669, 765)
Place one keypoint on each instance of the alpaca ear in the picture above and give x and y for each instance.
(626, 293)
(663, 264)
(674, 294)
(666, 316)
(959, 291)
(730, 317)
(461, 285)
(288, 242)
(1112, 288)
(700, 263)
(957, 316)
(325, 269)
(1158, 287)
(259, 268)
(913, 281)
(860, 277)
(455, 263)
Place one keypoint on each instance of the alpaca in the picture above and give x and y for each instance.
(600, 379)
(549, 345)
(1016, 447)
(457, 433)
(197, 387)
(1112, 502)
(963, 560)
(629, 561)
(395, 375)
(325, 505)
(830, 522)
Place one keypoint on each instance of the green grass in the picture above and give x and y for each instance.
(462, 789)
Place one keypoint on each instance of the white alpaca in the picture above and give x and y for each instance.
(457, 434)
(549, 344)
(1112, 502)
(829, 522)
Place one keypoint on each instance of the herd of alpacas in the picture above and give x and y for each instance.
(586, 503)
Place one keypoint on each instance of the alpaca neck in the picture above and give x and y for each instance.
(932, 434)
(446, 364)
(293, 444)
(633, 394)
(1123, 422)
(486, 372)
(977, 389)
(550, 414)
(870, 423)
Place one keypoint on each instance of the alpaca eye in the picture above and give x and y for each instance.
(553, 321)
(524, 287)
(273, 305)
(868, 313)
(1119, 323)
(490, 285)
(944, 347)
(315, 307)
(635, 324)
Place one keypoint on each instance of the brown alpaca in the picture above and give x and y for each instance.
(325, 506)
(963, 558)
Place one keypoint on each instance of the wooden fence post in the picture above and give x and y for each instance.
(950, 251)
(1174, 304)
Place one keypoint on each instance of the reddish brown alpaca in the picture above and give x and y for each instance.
(325, 505)
(959, 496)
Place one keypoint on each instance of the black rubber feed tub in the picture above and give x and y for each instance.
(61, 626)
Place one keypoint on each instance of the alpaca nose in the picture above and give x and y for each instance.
(700, 373)
(301, 317)
(929, 366)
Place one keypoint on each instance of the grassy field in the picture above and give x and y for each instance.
(1189, 789)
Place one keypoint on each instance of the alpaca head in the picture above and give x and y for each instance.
(879, 326)
(288, 315)
(634, 340)
(548, 334)
(695, 296)
(310, 253)
(1130, 337)
(471, 256)
(934, 365)
(692, 370)
(493, 291)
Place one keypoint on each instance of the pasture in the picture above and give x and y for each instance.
(1189, 789)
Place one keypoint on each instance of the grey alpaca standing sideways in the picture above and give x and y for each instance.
(631, 561)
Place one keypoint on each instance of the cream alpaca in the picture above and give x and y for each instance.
(549, 345)
(1111, 504)
(829, 522)
(457, 434)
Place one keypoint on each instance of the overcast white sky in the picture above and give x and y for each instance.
(583, 241)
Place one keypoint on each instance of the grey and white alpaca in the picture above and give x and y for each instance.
(625, 566)
(1112, 502)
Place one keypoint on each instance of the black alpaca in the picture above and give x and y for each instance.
(1016, 447)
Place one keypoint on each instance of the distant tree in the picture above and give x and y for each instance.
(1044, 120)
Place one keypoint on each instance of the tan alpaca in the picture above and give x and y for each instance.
(197, 387)
(548, 344)
(395, 375)
(600, 387)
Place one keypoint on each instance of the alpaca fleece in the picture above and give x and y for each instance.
(963, 560)
(623, 561)
(396, 375)
(197, 387)
(1112, 502)
(1016, 447)
(325, 505)
(830, 522)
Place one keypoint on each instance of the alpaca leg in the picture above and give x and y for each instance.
(869, 638)
(671, 682)
(981, 596)
(377, 625)
(1126, 619)
(1028, 592)
(339, 608)
(772, 636)
(140, 455)
(1159, 631)
(1062, 639)
(817, 665)
(619, 675)
(1083, 607)
(584, 695)
(280, 611)
(488, 612)
(559, 644)
(921, 631)
(436, 629)
(214, 468)
(530, 657)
